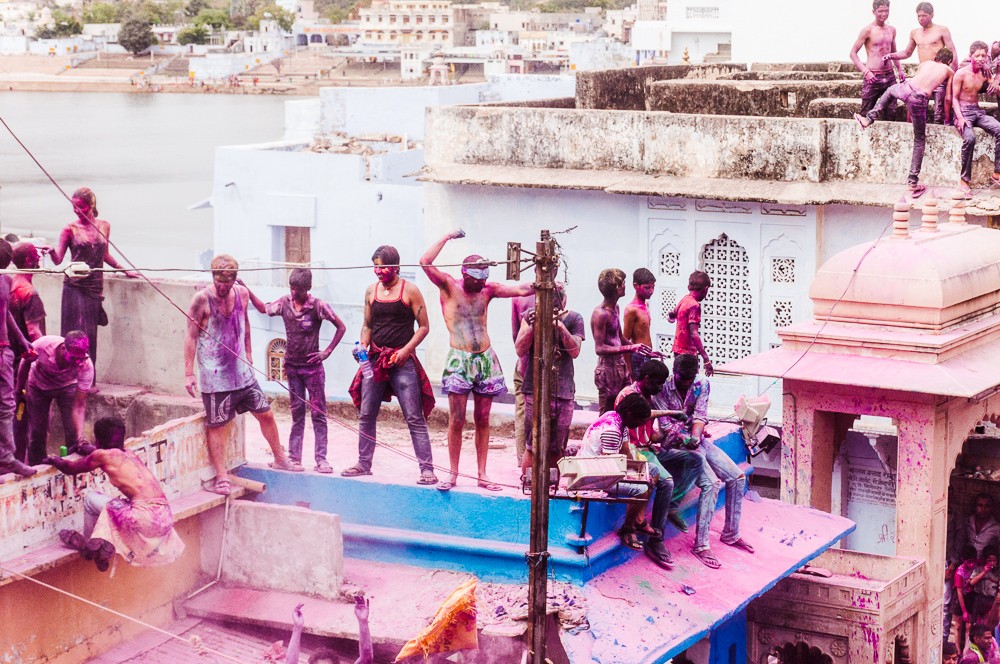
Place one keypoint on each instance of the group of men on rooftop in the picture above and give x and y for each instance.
(396, 322)
(955, 87)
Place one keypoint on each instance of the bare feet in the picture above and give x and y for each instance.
(862, 120)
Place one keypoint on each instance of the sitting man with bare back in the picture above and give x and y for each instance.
(140, 526)
(969, 83)
(218, 333)
(472, 364)
(928, 40)
(915, 93)
(879, 40)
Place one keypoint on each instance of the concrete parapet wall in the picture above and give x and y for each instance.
(34, 510)
(778, 99)
(263, 543)
(144, 342)
(625, 89)
(695, 146)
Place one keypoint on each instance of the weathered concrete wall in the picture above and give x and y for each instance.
(259, 552)
(763, 98)
(688, 145)
(40, 625)
(144, 343)
(34, 510)
(696, 146)
(625, 89)
(796, 75)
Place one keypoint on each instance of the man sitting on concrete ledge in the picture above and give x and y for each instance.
(140, 526)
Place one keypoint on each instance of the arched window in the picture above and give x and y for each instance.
(276, 359)
(727, 311)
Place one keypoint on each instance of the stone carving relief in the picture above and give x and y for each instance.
(731, 207)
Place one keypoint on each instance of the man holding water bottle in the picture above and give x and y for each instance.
(389, 365)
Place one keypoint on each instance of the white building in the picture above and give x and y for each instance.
(279, 202)
(436, 23)
(268, 39)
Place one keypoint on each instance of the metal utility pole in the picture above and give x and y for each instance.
(543, 351)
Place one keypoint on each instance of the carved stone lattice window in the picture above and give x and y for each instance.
(670, 263)
(782, 313)
(727, 311)
(276, 359)
(783, 270)
(665, 344)
(668, 302)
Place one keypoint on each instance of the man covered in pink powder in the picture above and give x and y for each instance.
(138, 526)
(218, 332)
(687, 315)
(472, 364)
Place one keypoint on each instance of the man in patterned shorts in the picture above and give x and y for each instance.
(472, 364)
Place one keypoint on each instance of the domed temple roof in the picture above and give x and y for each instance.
(918, 311)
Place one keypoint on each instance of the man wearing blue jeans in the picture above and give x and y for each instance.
(969, 81)
(915, 93)
(689, 394)
(392, 307)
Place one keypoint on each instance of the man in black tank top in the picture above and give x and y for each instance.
(392, 306)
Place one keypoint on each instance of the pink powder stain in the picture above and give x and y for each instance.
(872, 638)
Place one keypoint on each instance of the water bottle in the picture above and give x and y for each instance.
(361, 355)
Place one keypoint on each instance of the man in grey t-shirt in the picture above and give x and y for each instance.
(570, 333)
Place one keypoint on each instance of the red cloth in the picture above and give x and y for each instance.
(688, 311)
(379, 358)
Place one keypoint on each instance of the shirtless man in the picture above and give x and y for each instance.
(914, 93)
(637, 319)
(969, 82)
(225, 367)
(612, 372)
(472, 364)
(928, 39)
(879, 40)
(140, 526)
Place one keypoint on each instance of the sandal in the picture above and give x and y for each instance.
(674, 517)
(287, 464)
(427, 478)
(223, 487)
(322, 466)
(917, 190)
(630, 539)
(706, 556)
(646, 529)
(445, 486)
(489, 486)
(658, 553)
(741, 544)
(355, 471)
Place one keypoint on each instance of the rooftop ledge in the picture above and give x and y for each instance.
(767, 159)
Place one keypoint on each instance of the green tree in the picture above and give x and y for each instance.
(136, 35)
(336, 14)
(194, 7)
(66, 25)
(192, 35)
(100, 12)
(214, 18)
(284, 18)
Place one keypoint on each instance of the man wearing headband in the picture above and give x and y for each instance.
(62, 372)
(472, 364)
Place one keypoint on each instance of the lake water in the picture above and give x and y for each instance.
(148, 157)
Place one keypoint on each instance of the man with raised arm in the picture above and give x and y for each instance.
(395, 324)
(218, 332)
(472, 364)
(138, 526)
(612, 372)
(914, 93)
(928, 40)
(879, 40)
(969, 82)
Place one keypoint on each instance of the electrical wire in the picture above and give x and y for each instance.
(233, 352)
